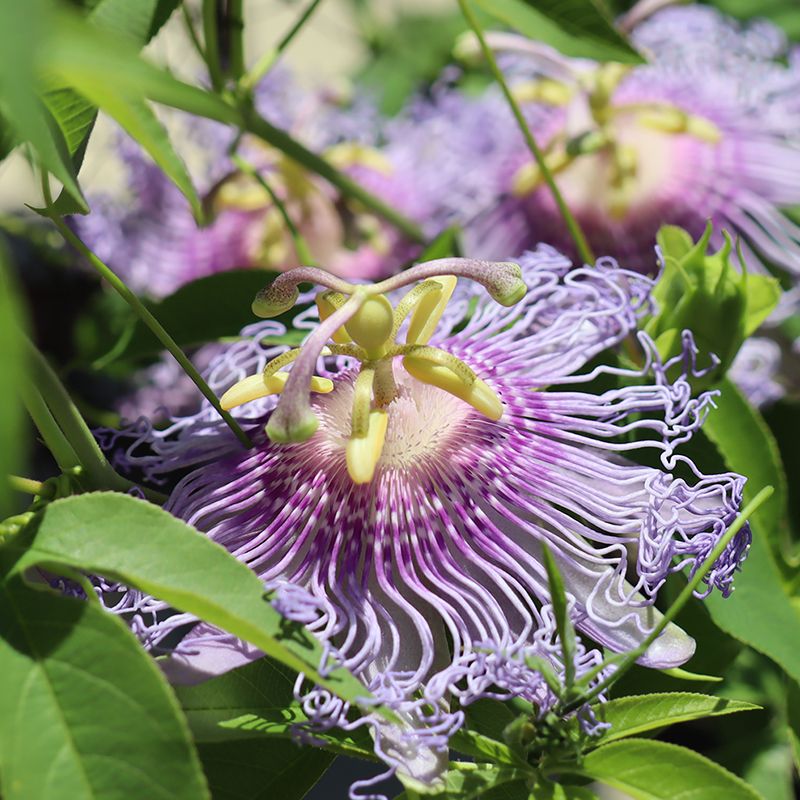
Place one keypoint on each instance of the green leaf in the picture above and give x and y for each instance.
(558, 599)
(793, 715)
(204, 310)
(136, 21)
(11, 357)
(136, 117)
(262, 770)
(84, 712)
(23, 27)
(651, 770)
(579, 28)
(629, 716)
(446, 244)
(748, 447)
(465, 781)
(163, 556)
(257, 701)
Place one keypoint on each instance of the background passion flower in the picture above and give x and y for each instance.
(707, 129)
(148, 235)
(427, 580)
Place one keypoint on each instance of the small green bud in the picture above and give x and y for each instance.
(705, 294)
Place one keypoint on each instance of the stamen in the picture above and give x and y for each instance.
(293, 420)
(438, 368)
(327, 303)
(363, 453)
(429, 311)
(529, 177)
(545, 90)
(257, 386)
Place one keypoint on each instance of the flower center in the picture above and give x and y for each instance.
(361, 323)
(422, 421)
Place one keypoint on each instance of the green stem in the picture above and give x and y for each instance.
(680, 602)
(236, 32)
(211, 41)
(572, 224)
(187, 21)
(300, 245)
(26, 485)
(265, 63)
(48, 428)
(71, 424)
(152, 323)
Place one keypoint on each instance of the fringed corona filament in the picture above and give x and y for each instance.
(360, 322)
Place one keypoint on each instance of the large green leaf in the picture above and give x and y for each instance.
(141, 545)
(262, 770)
(11, 357)
(580, 28)
(84, 712)
(23, 27)
(136, 21)
(629, 716)
(465, 781)
(650, 770)
(747, 446)
(257, 700)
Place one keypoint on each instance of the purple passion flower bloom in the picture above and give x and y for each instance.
(397, 501)
(150, 238)
(708, 129)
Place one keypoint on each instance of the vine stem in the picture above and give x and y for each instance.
(236, 34)
(211, 44)
(574, 228)
(152, 323)
(680, 601)
(26, 485)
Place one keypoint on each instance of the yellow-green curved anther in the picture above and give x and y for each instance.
(429, 311)
(256, 386)
(327, 303)
(545, 90)
(477, 393)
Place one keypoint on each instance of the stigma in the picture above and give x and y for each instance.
(360, 322)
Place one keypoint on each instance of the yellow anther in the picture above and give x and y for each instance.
(429, 311)
(527, 178)
(256, 386)
(327, 303)
(238, 191)
(371, 326)
(478, 394)
(666, 118)
(702, 128)
(544, 90)
(353, 154)
(363, 452)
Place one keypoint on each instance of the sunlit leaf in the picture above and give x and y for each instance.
(84, 712)
(650, 770)
(629, 716)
